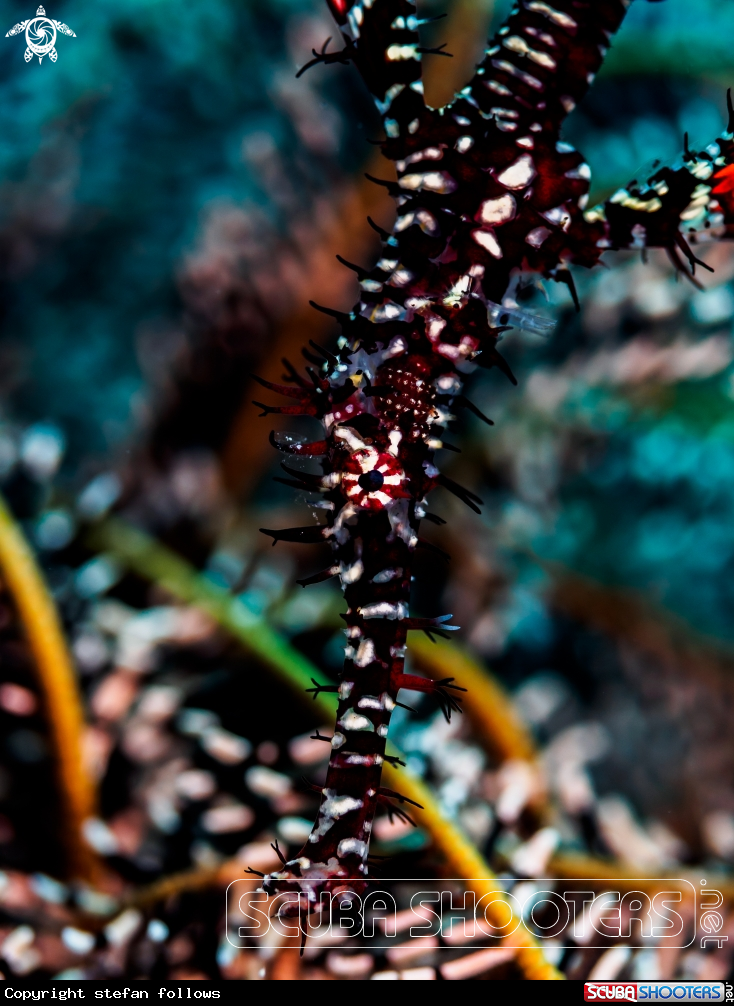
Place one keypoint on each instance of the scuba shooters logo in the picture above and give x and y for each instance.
(386, 912)
(40, 35)
(610, 990)
(656, 991)
(583, 913)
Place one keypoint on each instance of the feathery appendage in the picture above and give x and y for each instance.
(485, 191)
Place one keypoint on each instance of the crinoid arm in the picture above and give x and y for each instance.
(685, 203)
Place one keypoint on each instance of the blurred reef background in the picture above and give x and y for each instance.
(171, 197)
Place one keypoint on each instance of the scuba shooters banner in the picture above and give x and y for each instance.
(383, 914)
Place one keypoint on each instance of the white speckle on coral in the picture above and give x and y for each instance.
(537, 236)
(519, 174)
(351, 847)
(434, 327)
(526, 78)
(366, 761)
(448, 384)
(425, 220)
(331, 810)
(560, 216)
(397, 346)
(371, 702)
(429, 154)
(384, 609)
(497, 211)
(350, 574)
(353, 441)
(385, 575)
(556, 16)
(487, 240)
(428, 181)
(402, 52)
(390, 94)
(365, 654)
(340, 528)
(356, 722)
(394, 436)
